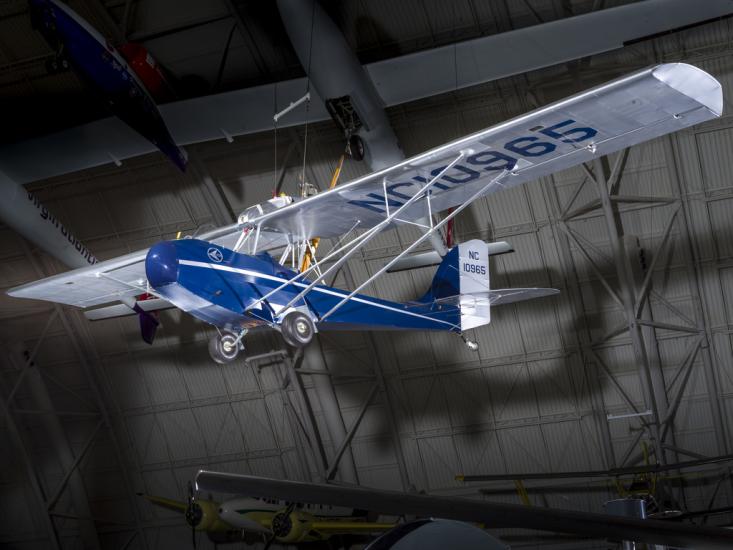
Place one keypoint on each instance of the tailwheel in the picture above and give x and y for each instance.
(224, 347)
(297, 329)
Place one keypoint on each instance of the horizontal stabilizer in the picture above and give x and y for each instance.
(500, 297)
(496, 297)
(123, 310)
(431, 258)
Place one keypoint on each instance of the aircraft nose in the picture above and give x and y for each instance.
(161, 264)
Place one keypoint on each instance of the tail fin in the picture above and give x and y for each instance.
(463, 275)
(462, 280)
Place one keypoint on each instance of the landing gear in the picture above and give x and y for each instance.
(57, 64)
(470, 344)
(225, 346)
(297, 329)
(356, 147)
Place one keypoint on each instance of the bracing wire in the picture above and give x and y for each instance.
(307, 90)
(274, 111)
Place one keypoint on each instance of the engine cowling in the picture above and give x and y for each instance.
(293, 527)
(203, 515)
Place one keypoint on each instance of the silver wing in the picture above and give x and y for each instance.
(118, 279)
(503, 296)
(633, 109)
(636, 108)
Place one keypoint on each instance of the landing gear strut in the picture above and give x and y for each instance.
(470, 344)
(225, 346)
(297, 329)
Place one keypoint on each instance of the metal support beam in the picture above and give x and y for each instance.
(643, 291)
(716, 409)
(64, 453)
(331, 412)
(310, 426)
(581, 332)
(80, 340)
(686, 367)
(219, 207)
(350, 435)
(79, 457)
(626, 282)
(17, 439)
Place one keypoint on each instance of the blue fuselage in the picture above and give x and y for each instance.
(223, 288)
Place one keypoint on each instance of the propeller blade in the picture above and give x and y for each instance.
(191, 500)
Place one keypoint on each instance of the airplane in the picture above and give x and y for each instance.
(269, 520)
(354, 96)
(229, 279)
(491, 515)
(397, 80)
(78, 46)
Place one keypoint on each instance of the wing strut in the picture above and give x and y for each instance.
(356, 243)
(496, 181)
(310, 253)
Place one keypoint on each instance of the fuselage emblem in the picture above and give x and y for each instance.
(215, 255)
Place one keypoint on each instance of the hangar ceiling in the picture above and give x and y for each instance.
(534, 398)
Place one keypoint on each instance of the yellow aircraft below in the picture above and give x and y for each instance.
(256, 519)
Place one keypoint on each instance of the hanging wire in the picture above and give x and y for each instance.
(307, 103)
(274, 112)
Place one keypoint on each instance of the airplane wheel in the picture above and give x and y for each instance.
(297, 329)
(224, 349)
(356, 148)
(52, 66)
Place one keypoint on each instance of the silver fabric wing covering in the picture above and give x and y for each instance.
(633, 109)
(119, 279)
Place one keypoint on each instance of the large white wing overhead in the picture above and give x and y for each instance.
(627, 111)
(397, 80)
(639, 107)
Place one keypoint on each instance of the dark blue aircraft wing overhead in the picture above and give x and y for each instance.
(106, 72)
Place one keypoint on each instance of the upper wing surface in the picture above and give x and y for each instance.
(605, 119)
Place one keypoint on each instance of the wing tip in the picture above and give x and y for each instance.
(693, 82)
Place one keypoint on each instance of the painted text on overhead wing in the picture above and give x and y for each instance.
(489, 160)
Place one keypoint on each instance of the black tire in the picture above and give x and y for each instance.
(356, 148)
(223, 348)
(297, 329)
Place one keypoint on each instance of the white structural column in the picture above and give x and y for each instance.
(23, 212)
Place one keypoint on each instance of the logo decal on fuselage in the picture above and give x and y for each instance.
(215, 255)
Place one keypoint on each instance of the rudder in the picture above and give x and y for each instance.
(464, 274)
